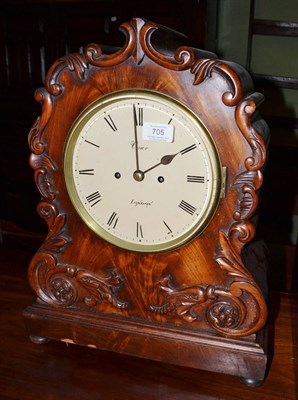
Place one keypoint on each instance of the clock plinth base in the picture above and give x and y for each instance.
(245, 357)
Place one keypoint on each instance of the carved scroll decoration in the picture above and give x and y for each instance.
(204, 68)
(182, 59)
(223, 311)
(138, 43)
(96, 56)
(225, 308)
(247, 183)
(75, 63)
(56, 284)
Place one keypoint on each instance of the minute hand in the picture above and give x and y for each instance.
(165, 160)
(136, 137)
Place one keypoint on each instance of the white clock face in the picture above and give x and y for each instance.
(142, 171)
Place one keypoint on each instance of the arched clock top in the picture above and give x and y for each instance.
(143, 39)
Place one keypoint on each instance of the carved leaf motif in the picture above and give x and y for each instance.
(44, 184)
(101, 288)
(53, 86)
(35, 143)
(224, 310)
(50, 214)
(56, 227)
(204, 68)
(244, 111)
(247, 204)
(43, 167)
(36, 140)
(252, 178)
(77, 63)
(74, 63)
(55, 241)
(57, 284)
(42, 160)
(182, 301)
(54, 244)
(249, 182)
(229, 257)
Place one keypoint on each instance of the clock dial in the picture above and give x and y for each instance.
(142, 171)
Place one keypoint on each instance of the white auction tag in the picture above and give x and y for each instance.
(158, 132)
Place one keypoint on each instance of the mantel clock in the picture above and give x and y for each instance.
(149, 159)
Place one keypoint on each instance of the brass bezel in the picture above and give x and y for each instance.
(81, 210)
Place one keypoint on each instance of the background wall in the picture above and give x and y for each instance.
(259, 34)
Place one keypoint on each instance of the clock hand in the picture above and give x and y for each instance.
(165, 160)
(138, 175)
(136, 137)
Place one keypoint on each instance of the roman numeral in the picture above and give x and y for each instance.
(93, 198)
(93, 144)
(86, 171)
(195, 179)
(187, 207)
(113, 220)
(138, 115)
(167, 226)
(139, 231)
(189, 148)
(110, 122)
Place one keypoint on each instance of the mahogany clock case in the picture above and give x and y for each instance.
(200, 305)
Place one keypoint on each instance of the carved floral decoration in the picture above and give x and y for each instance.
(224, 308)
(187, 303)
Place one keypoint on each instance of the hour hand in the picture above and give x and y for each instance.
(165, 160)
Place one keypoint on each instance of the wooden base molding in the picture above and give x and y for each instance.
(247, 358)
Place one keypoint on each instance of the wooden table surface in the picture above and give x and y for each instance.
(56, 371)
